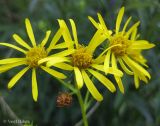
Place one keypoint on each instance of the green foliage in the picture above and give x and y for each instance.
(135, 108)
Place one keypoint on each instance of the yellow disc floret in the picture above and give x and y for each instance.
(81, 58)
(34, 55)
(123, 43)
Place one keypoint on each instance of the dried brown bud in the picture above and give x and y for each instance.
(64, 99)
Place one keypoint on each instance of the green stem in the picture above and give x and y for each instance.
(86, 97)
(67, 85)
(90, 112)
(83, 111)
(88, 104)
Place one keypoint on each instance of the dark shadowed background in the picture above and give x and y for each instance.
(135, 108)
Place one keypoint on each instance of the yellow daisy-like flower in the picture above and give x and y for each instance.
(33, 54)
(82, 61)
(124, 49)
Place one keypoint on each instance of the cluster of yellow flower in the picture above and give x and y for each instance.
(123, 48)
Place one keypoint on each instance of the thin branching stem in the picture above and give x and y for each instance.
(7, 110)
(83, 110)
(90, 112)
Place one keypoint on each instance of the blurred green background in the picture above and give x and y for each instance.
(135, 108)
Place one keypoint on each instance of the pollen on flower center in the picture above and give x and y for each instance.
(34, 55)
(81, 58)
(123, 43)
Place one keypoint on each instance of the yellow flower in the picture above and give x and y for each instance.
(124, 49)
(82, 61)
(32, 55)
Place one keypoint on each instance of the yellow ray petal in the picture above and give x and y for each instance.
(99, 60)
(136, 81)
(30, 32)
(60, 46)
(96, 40)
(46, 60)
(107, 83)
(132, 29)
(117, 78)
(17, 77)
(119, 19)
(100, 56)
(134, 34)
(136, 71)
(63, 66)
(102, 21)
(7, 67)
(44, 41)
(66, 34)
(54, 73)
(120, 84)
(142, 77)
(34, 85)
(142, 63)
(63, 53)
(136, 66)
(142, 44)
(113, 61)
(126, 24)
(14, 47)
(92, 89)
(110, 70)
(124, 67)
(140, 73)
(11, 60)
(114, 71)
(54, 60)
(78, 76)
(74, 31)
(98, 67)
(107, 61)
(20, 41)
(55, 39)
(93, 22)
(57, 60)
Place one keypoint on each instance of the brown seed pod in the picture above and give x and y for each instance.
(64, 99)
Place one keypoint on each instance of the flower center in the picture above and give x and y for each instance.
(34, 55)
(81, 58)
(123, 43)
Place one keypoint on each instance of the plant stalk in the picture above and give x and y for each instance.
(83, 111)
